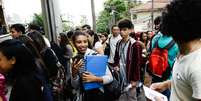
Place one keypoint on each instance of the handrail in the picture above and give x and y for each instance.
(5, 37)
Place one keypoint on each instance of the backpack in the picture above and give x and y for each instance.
(158, 60)
(58, 81)
(107, 48)
(113, 90)
(58, 51)
(47, 93)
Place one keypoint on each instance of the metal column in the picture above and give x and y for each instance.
(52, 20)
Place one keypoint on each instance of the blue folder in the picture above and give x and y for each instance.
(95, 64)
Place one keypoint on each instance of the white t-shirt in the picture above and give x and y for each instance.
(98, 44)
(47, 42)
(113, 41)
(186, 78)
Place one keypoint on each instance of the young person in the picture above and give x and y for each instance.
(97, 44)
(127, 61)
(17, 30)
(162, 40)
(38, 59)
(181, 21)
(66, 52)
(115, 37)
(80, 76)
(54, 67)
(103, 38)
(28, 84)
(47, 54)
(85, 27)
(35, 27)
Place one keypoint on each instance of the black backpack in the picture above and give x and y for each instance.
(107, 48)
(58, 51)
(58, 78)
(113, 90)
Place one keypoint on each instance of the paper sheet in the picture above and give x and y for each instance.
(151, 94)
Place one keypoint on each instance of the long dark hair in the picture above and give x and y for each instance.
(38, 40)
(30, 45)
(141, 38)
(64, 38)
(25, 61)
(63, 43)
(91, 33)
(106, 36)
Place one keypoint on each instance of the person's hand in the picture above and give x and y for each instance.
(1, 99)
(76, 65)
(89, 77)
(116, 68)
(134, 83)
(157, 98)
(162, 86)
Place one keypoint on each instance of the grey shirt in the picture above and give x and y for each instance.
(186, 78)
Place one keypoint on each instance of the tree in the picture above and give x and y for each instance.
(103, 21)
(37, 19)
(111, 13)
(67, 26)
(114, 10)
(83, 20)
(67, 22)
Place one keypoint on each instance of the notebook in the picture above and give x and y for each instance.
(95, 64)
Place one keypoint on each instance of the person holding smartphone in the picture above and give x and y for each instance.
(79, 75)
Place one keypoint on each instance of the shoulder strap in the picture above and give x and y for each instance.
(118, 45)
(156, 43)
(109, 40)
(43, 50)
(172, 42)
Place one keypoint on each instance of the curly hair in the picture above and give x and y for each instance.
(157, 20)
(182, 20)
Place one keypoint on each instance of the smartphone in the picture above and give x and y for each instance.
(78, 57)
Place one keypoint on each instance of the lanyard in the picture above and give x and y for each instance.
(123, 60)
(122, 51)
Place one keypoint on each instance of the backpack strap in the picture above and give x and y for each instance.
(109, 39)
(156, 43)
(150, 45)
(118, 45)
(168, 46)
(172, 42)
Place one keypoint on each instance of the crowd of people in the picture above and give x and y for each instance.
(37, 69)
